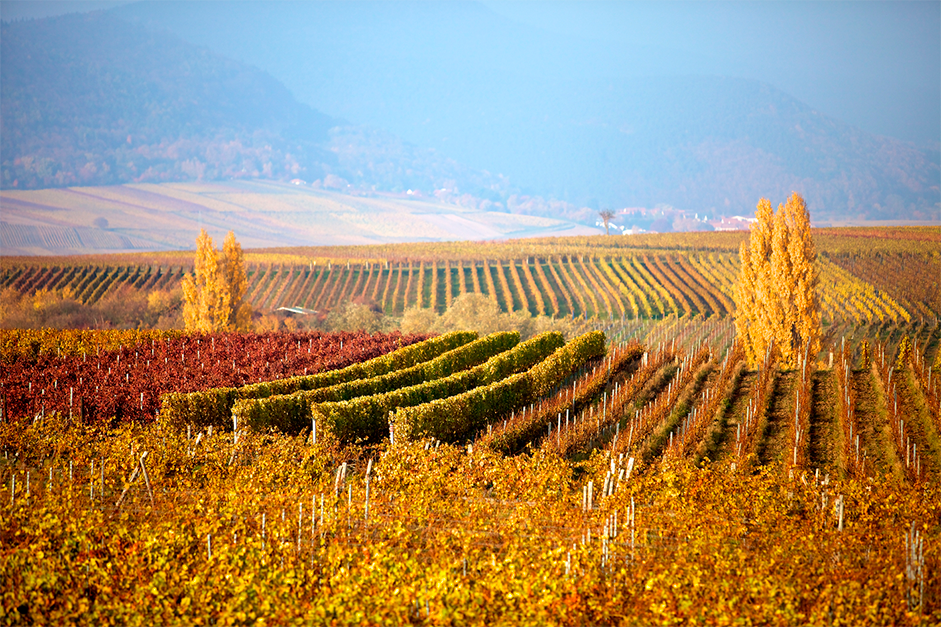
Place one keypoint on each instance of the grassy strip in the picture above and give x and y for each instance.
(702, 416)
(457, 417)
(656, 415)
(711, 443)
(214, 407)
(661, 438)
(289, 411)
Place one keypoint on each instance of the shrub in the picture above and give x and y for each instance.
(367, 417)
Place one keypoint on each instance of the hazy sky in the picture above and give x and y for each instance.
(876, 65)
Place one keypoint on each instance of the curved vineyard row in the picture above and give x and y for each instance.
(119, 375)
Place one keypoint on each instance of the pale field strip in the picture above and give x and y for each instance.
(264, 215)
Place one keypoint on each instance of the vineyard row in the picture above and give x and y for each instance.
(649, 286)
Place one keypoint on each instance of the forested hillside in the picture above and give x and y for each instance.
(90, 99)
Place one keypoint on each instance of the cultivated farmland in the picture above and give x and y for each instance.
(887, 275)
(634, 472)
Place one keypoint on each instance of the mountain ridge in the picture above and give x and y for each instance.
(472, 84)
(91, 99)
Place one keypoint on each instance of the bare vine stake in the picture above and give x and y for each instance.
(263, 531)
(368, 473)
(336, 482)
(143, 468)
(300, 521)
(313, 518)
(209, 544)
(915, 568)
(130, 482)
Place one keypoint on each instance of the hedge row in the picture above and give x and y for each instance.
(286, 411)
(367, 418)
(458, 417)
(214, 406)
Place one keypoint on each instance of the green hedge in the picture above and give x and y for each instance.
(553, 370)
(366, 417)
(457, 417)
(287, 411)
(214, 406)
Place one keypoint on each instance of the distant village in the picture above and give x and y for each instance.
(666, 219)
(627, 221)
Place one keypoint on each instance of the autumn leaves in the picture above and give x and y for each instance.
(776, 297)
(214, 295)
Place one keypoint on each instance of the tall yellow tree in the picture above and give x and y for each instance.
(213, 296)
(236, 284)
(776, 297)
(804, 276)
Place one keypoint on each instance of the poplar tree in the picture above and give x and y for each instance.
(213, 295)
(236, 285)
(805, 331)
(776, 297)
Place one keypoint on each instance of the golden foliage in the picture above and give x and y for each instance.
(776, 298)
(236, 284)
(214, 294)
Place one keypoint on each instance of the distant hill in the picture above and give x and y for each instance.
(90, 99)
(563, 118)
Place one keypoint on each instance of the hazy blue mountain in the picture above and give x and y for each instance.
(91, 99)
(562, 118)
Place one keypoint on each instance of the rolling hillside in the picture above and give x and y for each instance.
(148, 217)
(91, 99)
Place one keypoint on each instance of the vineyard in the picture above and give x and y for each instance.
(634, 473)
(867, 277)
